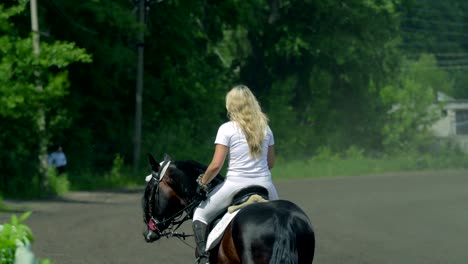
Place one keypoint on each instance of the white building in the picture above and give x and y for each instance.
(453, 123)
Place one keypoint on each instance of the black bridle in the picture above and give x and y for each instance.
(167, 226)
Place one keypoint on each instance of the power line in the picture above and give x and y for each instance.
(436, 68)
(447, 56)
(433, 45)
(412, 29)
(452, 62)
(418, 10)
(456, 62)
(433, 22)
(451, 55)
(441, 43)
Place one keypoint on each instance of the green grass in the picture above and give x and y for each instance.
(328, 166)
(120, 176)
(8, 208)
(93, 181)
(3, 207)
(365, 166)
(325, 165)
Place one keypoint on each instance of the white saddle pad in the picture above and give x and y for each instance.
(215, 235)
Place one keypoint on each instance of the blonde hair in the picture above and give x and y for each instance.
(244, 109)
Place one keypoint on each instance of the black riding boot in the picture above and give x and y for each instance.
(199, 229)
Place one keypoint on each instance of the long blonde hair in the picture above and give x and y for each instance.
(244, 109)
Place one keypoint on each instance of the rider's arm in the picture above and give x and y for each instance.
(271, 157)
(216, 164)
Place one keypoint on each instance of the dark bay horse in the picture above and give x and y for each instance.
(267, 232)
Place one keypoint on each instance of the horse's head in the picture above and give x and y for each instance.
(170, 188)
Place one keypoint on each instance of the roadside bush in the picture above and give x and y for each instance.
(58, 184)
(116, 176)
(325, 153)
(119, 176)
(15, 242)
(354, 152)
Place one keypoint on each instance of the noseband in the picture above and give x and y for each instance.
(176, 220)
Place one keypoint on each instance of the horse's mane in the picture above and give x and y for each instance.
(183, 180)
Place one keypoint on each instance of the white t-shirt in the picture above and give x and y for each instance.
(240, 161)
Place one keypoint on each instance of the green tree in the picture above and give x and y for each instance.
(184, 81)
(21, 101)
(337, 53)
(412, 104)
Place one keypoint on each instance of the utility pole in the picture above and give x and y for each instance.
(41, 126)
(139, 85)
(35, 28)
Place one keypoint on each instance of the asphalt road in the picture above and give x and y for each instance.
(395, 218)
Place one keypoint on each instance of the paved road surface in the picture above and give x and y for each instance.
(395, 218)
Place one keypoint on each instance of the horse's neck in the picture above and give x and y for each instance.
(191, 170)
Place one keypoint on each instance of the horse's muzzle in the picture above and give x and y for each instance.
(149, 235)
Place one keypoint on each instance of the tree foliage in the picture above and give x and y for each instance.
(326, 72)
(339, 58)
(22, 72)
(413, 105)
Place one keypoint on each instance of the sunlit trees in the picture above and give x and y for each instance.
(21, 101)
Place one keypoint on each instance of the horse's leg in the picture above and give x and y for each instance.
(227, 253)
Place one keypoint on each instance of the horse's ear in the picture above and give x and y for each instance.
(153, 163)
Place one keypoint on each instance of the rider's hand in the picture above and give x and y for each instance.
(201, 193)
(202, 189)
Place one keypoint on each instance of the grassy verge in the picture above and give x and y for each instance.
(92, 181)
(314, 168)
(119, 176)
(3, 207)
(324, 165)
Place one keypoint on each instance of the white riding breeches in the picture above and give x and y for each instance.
(221, 196)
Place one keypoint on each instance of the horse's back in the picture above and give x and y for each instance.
(273, 232)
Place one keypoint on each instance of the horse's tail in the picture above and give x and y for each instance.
(284, 248)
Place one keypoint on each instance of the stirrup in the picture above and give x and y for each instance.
(204, 256)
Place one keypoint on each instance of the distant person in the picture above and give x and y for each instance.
(58, 160)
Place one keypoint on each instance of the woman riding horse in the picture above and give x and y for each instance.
(274, 232)
(249, 141)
